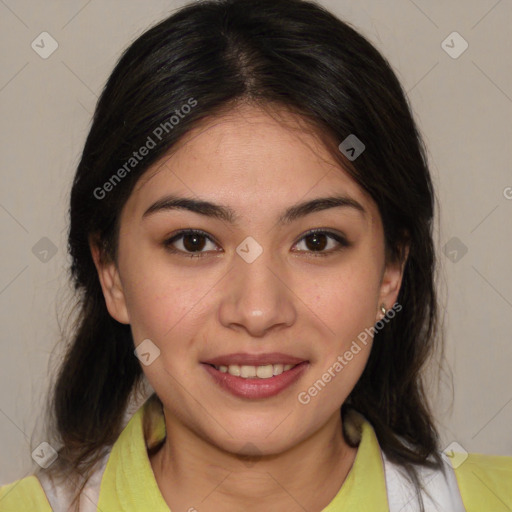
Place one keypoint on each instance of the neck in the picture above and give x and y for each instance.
(192, 472)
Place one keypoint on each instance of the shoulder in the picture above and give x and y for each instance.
(485, 481)
(24, 494)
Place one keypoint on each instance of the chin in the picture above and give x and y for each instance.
(256, 441)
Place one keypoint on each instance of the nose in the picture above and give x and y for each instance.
(257, 298)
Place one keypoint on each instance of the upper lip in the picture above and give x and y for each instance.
(254, 359)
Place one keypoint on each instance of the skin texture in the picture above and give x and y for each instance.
(289, 300)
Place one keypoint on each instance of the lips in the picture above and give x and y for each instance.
(255, 375)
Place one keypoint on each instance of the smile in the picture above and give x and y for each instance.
(255, 382)
(266, 371)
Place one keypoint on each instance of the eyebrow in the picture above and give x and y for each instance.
(225, 213)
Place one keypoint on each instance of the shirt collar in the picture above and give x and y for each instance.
(129, 483)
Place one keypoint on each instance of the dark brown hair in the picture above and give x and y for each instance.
(288, 53)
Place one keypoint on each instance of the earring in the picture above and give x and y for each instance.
(383, 309)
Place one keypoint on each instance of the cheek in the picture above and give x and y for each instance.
(162, 310)
(171, 306)
(344, 298)
(162, 305)
(160, 297)
(345, 302)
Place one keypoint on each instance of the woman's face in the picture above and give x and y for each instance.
(259, 292)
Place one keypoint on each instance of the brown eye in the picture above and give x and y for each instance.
(193, 242)
(316, 241)
(323, 242)
(190, 243)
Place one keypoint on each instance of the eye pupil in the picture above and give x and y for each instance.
(193, 246)
(316, 245)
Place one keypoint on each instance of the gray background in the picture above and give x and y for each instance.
(463, 106)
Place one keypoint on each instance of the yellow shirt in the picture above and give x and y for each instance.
(128, 483)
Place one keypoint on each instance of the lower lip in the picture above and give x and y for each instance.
(256, 388)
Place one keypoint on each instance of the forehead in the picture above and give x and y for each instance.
(248, 156)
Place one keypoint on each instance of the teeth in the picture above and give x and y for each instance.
(278, 369)
(247, 371)
(250, 372)
(265, 372)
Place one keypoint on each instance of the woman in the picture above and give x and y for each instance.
(251, 234)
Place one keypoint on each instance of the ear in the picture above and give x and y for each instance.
(392, 280)
(111, 285)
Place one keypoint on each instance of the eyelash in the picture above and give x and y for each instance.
(343, 243)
